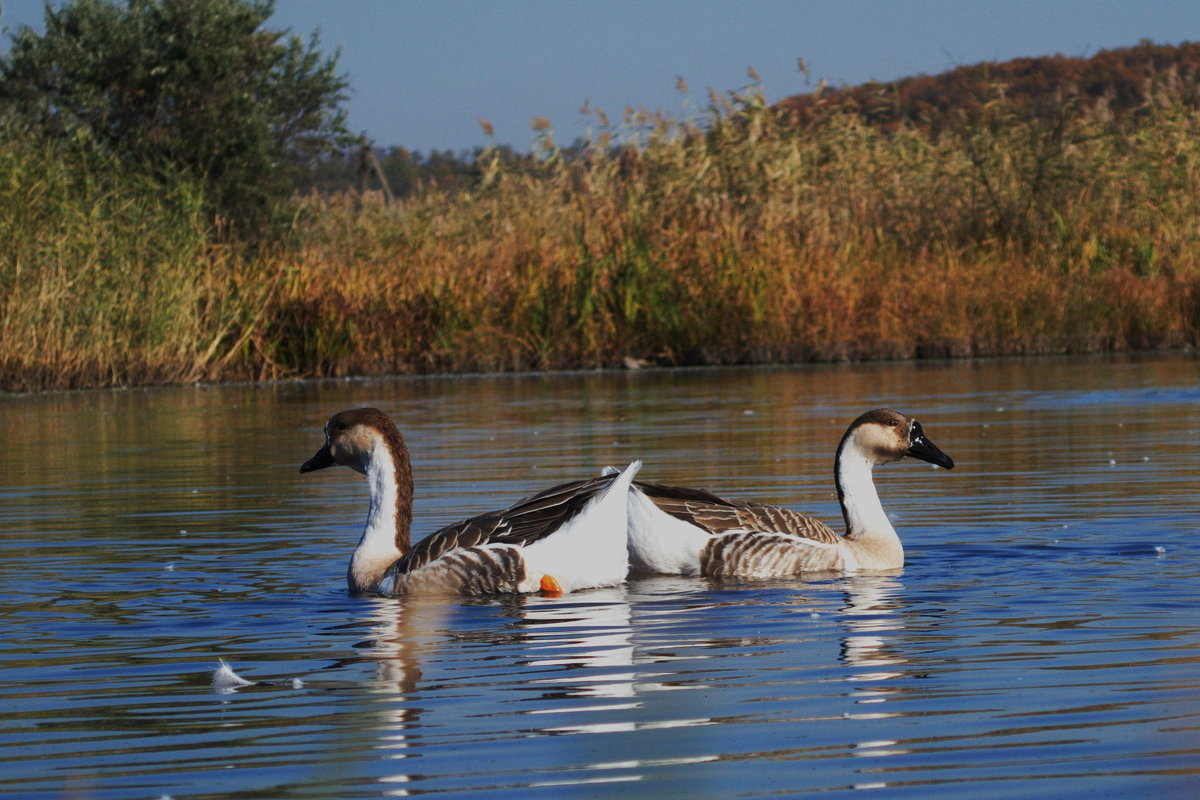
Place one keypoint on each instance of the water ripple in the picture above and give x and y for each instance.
(1041, 640)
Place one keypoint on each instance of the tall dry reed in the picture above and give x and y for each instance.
(731, 237)
(107, 278)
(738, 238)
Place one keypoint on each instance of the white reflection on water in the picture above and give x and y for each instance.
(595, 634)
(399, 630)
(579, 655)
(873, 606)
(873, 610)
(599, 634)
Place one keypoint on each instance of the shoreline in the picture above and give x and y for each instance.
(1183, 351)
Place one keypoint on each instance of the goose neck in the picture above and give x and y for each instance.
(865, 518)
(385, 537)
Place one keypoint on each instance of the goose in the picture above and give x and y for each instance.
(563, 539)
(680, 531)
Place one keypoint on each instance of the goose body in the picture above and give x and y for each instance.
(679, 531)
(565, 538)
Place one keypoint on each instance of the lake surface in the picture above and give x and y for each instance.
(1043, 639)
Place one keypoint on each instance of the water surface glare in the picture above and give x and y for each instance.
(1042, 640)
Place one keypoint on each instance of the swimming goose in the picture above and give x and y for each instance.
(681, 531)
(565, 538)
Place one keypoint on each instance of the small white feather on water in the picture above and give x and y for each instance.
(225, 680)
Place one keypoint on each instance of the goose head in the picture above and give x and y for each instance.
(353, 438)
(883, 436)
(366, 441)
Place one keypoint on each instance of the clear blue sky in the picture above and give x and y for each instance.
(422, 73)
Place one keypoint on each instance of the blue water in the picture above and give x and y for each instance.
(1042, 640)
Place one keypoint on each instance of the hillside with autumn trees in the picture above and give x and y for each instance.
(1117, 82)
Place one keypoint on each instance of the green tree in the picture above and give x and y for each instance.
(191, 87)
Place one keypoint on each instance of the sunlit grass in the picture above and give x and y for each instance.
(107, 278)
(737, 239)
(729, 238)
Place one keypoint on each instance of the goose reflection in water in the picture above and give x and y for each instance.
(594, 634)
(601, 678)
(552, 660)
(401, 631)
(873, 613)
(535, 667)
(873, 609)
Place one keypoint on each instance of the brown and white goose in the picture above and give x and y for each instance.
(681, 531)
(565, 538)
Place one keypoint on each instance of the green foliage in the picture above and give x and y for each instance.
(182, 86)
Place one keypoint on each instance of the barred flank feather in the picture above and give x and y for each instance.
(766, 554)
(469, 571)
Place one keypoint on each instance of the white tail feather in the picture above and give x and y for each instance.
(591, 550)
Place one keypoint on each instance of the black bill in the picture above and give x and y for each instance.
(922, 448)
(321, 460)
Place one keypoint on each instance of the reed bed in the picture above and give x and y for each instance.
(108, 278)
(734, 237)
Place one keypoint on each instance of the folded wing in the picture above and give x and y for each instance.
(520, 525)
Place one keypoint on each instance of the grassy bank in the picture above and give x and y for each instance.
(732, 238)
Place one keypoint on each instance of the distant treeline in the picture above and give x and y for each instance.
(405, 171)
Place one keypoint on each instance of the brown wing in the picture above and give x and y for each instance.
(527, 521)
(718, 515)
